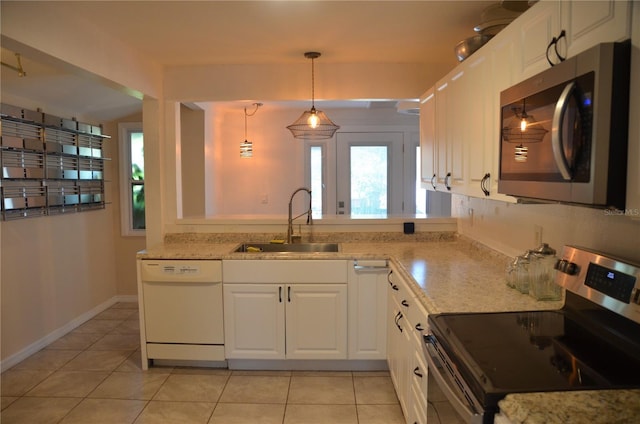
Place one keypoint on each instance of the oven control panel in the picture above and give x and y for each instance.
(608, 281)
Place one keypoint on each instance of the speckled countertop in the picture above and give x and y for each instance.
(451, 274)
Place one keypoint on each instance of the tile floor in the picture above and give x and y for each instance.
(93, 375)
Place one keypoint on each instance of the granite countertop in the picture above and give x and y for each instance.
(451, 274)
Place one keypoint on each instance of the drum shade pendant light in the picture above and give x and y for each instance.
(313, 124)
(246, 147)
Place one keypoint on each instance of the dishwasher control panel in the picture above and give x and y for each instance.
(175, 270)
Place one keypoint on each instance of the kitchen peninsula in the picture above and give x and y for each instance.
(447, 273)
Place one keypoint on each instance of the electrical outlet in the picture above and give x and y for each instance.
(264, 199)
(537, 235)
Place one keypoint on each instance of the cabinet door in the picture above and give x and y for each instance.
(593, 22)
(316, 321)
(540, 24)
(254, 317)
(428, 150)
(442, 135)
(368, 312)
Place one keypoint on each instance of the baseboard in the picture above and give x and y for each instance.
(38, 345)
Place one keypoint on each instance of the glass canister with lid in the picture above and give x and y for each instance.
(542, 274)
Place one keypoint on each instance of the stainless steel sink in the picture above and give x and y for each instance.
(287, 247)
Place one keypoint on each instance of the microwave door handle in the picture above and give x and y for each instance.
(557, 143)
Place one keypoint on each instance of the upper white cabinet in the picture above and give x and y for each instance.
(428, 148)
(460, 115)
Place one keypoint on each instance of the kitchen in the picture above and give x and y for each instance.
(505, 227)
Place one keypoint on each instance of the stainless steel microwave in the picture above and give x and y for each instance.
(564, 131)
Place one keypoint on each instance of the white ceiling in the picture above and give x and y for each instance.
(176, 33)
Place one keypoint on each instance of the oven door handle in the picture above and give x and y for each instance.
(557, 143)
(462, 408)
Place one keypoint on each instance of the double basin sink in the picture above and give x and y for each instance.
(287, 247)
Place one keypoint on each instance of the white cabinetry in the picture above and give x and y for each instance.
(460, 116)
(407, 320)
(428, 147)
(368, 309)
(285, 309)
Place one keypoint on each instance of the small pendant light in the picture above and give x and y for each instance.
(313, 124)
(246, 147)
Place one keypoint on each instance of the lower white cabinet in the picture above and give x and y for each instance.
(295, 312)
(407, 320)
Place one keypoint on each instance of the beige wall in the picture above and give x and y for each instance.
(54, 269)
(510, 228)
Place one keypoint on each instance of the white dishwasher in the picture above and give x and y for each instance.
(181, 313)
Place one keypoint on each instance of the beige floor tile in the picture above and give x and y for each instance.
(47, 359)
(128, 326)
(7, 400)
(374, 390)
(121, 385)
(125, 305)
(176, 413)
(38, 410)
(19, 382)
(243, 413)
(68, 384)
(192, 388)
(321, 390)
(322, 373)
(116, 314)
(279, 373)
(98, 326)
(97, 360)
(117, 342)
(73, 340)
(380, 414)
(105, 411)
(255, 389)
(320, 414)
(133, 363)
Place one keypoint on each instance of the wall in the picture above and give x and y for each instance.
(510, 228)
(54, 270)
(261, 185)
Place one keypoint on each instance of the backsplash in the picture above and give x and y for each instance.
(512, 228)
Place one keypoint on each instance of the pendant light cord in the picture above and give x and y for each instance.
(256, 105)
(313, 84)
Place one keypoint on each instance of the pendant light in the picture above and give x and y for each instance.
(246, 147)
(523, 128)
(313, 124)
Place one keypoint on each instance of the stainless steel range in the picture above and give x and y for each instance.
(592, 343)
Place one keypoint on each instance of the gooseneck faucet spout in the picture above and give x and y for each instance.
(292, 218)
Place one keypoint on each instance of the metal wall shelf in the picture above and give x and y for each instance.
(50, 165)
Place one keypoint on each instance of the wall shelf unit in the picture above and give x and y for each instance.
(50, 165)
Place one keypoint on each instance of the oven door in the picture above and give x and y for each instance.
(443, 372)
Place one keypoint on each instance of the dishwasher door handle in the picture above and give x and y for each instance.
(375, 265)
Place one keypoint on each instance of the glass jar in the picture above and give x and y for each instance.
(542, 274)
(521, 267)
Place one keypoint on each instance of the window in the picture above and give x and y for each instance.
(132, 179)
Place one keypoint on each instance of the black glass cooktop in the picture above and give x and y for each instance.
(512, 352)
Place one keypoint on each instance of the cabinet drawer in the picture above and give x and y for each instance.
(284, 271)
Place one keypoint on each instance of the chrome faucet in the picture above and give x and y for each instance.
(291, 218)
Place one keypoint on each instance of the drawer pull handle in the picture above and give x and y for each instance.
(419, 327)
(289, 294)
(280, 294)
(417, 372)
(405, 303)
